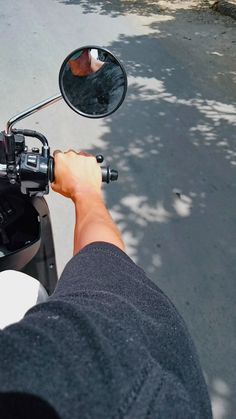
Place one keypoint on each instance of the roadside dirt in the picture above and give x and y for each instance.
(174, 5)
(200, 23)
(198, 5)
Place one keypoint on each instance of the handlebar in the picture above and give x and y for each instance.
(33, 170)
(108, 174)
(29, 166)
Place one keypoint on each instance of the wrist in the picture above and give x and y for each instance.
(85, 194)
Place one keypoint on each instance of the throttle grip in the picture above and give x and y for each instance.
(108, 174)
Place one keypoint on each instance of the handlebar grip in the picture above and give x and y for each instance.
(51, 165)
(108, 174)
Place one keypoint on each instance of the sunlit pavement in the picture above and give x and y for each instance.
(173, 142)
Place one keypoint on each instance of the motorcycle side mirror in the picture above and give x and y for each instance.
(92, 81)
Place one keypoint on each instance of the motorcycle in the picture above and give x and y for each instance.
(93, 82)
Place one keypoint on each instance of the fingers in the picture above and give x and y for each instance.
(83, 153)
(80, 153)
(56, 152)
(70, 151)
(54, 187)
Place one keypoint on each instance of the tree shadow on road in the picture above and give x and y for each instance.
(117, 8)
(172, 142)
(175, 202)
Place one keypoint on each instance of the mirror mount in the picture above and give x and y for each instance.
(9, 136)
(104, 57)
(30, 111)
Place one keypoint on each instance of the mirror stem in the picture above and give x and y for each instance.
(30, 111)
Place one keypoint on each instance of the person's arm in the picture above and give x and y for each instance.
(105, 327)
(78, 176)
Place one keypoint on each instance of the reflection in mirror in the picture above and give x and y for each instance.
(93, 82)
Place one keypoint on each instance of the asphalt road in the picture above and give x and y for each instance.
(173, 142)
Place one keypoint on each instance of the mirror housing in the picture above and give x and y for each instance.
(92, 81)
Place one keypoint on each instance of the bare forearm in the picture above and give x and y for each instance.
(94, 223)
(78, 176)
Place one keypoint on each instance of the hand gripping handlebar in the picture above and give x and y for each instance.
(108, 174)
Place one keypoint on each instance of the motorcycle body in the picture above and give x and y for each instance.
(26, 239)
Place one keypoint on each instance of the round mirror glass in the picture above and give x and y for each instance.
(92, 81)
